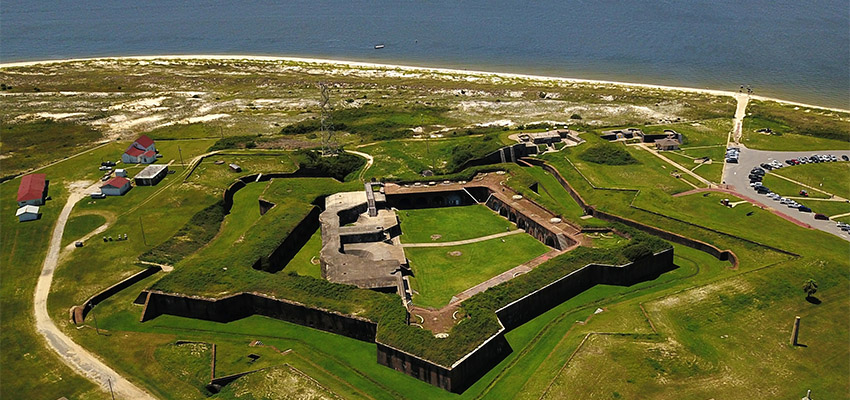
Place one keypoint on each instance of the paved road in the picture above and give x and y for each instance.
(736, 177)
(71, 353)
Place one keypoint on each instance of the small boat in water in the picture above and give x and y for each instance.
(379, 46)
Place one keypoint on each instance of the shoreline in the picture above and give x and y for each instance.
(360, 64)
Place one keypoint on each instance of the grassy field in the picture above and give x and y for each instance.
(34, 144)
(450, 223)
(80, 225)
(794, 128)
(439, 273)
(830, 177)
(787, 188)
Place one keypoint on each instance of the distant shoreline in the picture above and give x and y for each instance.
(414, 68)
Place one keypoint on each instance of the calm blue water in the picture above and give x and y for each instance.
(795, 50)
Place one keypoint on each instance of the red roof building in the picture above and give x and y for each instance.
(32, 190)
(134, 151)
(145, 141)
(116, 186)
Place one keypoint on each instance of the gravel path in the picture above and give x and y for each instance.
(71, 353)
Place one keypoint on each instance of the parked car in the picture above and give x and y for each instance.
(821, 217)
(845, 158)
(803, 208)
(108, 163)
(105, 168)
(97, 195)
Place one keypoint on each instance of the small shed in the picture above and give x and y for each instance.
(151, 175)
(234, 167)
(27, 213)
(116, 186)
(121, 172)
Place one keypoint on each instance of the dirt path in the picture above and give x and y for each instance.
(462, 242)
(369, 161)
(740, 113)
(71, 353)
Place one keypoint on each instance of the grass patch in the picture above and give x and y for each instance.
(33, 144)
(607, 154)
(283, 382)
(186, 131)
(787, 188)
(451, 223)
(440, 272)
(302, 262)
(80, 225)
(830, 177)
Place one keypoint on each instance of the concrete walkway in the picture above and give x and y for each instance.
(462, 242)
(71, 353)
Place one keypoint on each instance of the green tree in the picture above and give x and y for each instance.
(810, 286)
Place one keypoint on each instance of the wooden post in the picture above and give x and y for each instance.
(795, 332)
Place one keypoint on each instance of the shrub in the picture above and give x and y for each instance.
(575, 116)
(608, 154)
(637, 250)
(337, 167)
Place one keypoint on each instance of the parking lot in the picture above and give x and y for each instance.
(736, 175)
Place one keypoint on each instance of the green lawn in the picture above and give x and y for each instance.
(34, 144)
(81, 225)
(795, 128)
(650, 172)
(302, 262)
(451, 223)
(218, 177)
(787, 188)
(832, 177)
(827, 207)
(439, 275)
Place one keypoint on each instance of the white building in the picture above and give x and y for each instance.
(27, 213)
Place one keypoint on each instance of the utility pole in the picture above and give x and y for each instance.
(143, 231)
(181, 156)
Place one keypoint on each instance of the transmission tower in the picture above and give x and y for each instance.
(328, 145)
